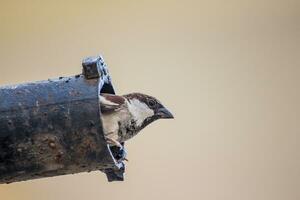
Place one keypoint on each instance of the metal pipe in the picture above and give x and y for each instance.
(54, 127)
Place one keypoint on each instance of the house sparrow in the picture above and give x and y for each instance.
(124, 116)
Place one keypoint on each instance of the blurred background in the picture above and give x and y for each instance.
(228, 70)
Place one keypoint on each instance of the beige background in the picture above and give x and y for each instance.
(229, 71)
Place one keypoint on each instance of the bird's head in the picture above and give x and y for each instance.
(146, 109)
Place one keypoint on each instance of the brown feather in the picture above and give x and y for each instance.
(116, 102)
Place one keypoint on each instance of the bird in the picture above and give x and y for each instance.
(123, 117)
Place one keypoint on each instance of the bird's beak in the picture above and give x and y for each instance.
(164, 113)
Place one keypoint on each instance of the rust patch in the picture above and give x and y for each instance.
(50, 150)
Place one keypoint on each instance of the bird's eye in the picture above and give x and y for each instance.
(151, 103)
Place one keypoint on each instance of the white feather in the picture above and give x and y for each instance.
(139, 110)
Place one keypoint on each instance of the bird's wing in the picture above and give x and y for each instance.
(109, 102)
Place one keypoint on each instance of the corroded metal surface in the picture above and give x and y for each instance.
(52, 128)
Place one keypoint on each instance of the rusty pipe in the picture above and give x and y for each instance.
(54, 127)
